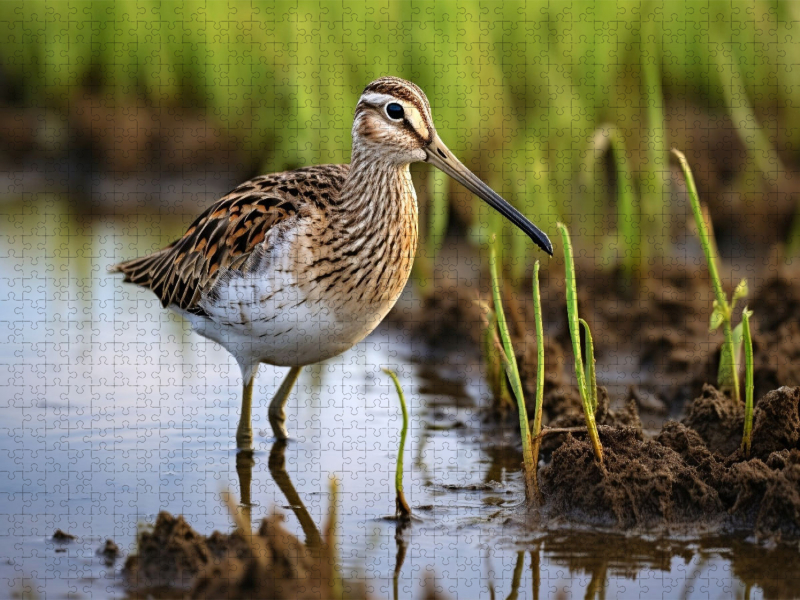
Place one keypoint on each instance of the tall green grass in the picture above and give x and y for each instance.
(728, 377)
(402, 510)
(584, 372)
(748, 386)
(517, 87)
(536, 429)
(509, 360)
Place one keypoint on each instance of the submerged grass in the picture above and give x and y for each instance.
(509, 360)
(728, 378)
(589, 405)
(402, 510)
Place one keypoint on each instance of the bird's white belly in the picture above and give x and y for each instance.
(267, 318)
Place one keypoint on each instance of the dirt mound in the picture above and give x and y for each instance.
(563, 408)
(693, 473)
(644, 484)
(272, 563)
(718, 419)
(776, 422)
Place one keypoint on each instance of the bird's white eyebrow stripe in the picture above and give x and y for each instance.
(374, 99)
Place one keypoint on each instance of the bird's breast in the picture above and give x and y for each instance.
(317, 293)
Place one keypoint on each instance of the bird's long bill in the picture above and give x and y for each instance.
(440, 157)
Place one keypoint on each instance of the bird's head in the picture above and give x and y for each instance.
(393, 124)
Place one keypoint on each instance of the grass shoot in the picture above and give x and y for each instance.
(537, 415)
(509, 360)
(728, 377)
(748, 385)
(574, 332)
(402, 510)
(495, 372)
(628, 241)
(591, 378)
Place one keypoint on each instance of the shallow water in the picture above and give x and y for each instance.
(112, 410)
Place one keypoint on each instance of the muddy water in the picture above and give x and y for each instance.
(111, 410)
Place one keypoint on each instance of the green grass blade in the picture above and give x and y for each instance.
(574, 332)
(495, 372)
(728, 377)
(402, 509)
(537, 417)
(748, 386)
(572, 308)
(591, 379)
(742, 114)
(510, 364)
(629, 238)
(654, 186)
(709, 248)
(438, 211)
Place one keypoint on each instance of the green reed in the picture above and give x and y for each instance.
(748, 385)
(588, 396)
(591, 378)
(402, 510)
(537, 415)
(728, 377)
(509, 360)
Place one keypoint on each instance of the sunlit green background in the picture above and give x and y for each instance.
(527, 93)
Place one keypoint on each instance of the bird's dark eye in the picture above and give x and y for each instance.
(395, 111)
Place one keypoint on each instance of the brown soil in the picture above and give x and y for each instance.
(173, 560)
(693, 474)
(63, 537)
(110, 552)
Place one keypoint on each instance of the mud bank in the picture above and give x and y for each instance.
(692, 477)
(175, 561)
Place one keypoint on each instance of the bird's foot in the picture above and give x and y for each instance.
(244, 438)
(277, 418)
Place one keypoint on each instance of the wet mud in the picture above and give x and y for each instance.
(687, 473)
(173, 560)
(692, 477)
(688, 476)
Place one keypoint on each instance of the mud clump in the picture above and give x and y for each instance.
(718, 419)
(63, 537)
(776, 422)
(641, 484)
(563, 408)
(110, 552)
(271, 563)
(694, 473)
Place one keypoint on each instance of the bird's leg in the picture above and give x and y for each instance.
(277, 416)
(244, 433)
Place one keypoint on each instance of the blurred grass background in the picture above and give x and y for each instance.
(525, 92)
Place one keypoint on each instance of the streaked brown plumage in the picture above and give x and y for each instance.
(224, 237)
(294, 268)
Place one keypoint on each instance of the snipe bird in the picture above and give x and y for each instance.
(293, 268)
